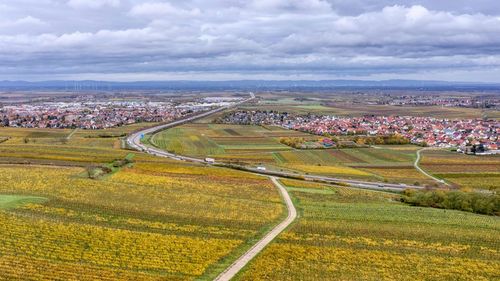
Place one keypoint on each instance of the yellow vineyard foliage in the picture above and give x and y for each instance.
(109, 247)
(330, 170)
(299, 262)
(352, 234)
(153, 222)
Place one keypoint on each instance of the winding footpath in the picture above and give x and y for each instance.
(440, 181)
(242, 261)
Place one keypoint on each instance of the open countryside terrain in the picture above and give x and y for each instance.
(64, 146)
(249, 140)
(260, 146)
(350, 234)
(151, 220)
(475, 172)
(349, 104)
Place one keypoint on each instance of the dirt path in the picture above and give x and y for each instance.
(424, 172)
(72, 133)
(236, 267)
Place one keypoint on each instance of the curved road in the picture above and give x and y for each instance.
(134, 141)
(234, 268)
(422, 170)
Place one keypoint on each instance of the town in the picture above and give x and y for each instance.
(425, 131)
(472, 101)
(103, 114)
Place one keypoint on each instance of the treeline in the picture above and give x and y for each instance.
(378, 140)
(61, 140)
(105, 136)
(94, 172)
(292, 142)
(480, 203)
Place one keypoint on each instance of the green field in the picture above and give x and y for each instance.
(14, 201)
(259, 145)
(349, 234)
(214, 139)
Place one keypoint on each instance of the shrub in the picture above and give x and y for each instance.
(488, 204)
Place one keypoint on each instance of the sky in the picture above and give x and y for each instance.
(133, 40)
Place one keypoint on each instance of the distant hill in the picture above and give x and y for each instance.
(244, 85)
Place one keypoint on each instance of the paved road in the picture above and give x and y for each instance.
(234, 268)
(134, 141)
(424, 172)
(353, 183)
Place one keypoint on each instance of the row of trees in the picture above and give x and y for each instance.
(488, 204)
(378, 140)
(61, 140)
(105, 136)
(94, 172)
(292, 142)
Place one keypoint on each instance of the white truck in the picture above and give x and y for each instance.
(210, 160)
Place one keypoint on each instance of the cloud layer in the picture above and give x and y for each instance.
(222, 39)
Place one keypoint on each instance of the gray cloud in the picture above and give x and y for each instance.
(271, 38)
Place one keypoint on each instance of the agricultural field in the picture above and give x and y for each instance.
(348, 109)
(153, 220)
(260, 145)
(348, 105)
(63, 146)
(108, 138)
(53, 154)
(475, 172)
(350, 234)
(201, 139)
(157, 219)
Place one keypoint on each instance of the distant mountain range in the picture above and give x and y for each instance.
(244, 85)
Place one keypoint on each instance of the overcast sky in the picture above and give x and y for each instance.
(130, 40)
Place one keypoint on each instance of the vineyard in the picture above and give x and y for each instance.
(260, 145)
(475, 172)
(350, 234)
(156, 220)
(214, 139)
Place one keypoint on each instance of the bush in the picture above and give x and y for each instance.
(488, 204)
(292, 142)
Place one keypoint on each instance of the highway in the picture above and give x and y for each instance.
(134, 141)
